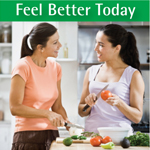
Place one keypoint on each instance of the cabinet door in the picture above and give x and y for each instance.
(4, 138)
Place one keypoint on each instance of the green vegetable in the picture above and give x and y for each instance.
(90, 134)
(109, 145)
(67, 141)
(125, 143)
(87, 134)
(140, 139)
(82, 137)
(75, 137)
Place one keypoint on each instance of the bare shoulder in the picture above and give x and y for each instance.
(87, 73)
(137, 79)
(88, 70)
(136, 75)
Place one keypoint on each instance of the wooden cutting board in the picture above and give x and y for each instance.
(86, 146)
(60, 140)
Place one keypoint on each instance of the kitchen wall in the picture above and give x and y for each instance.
(68, 34)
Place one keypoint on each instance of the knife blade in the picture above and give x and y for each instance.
(73, 125)
(98, 95)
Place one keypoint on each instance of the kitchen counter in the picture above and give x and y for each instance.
(81, 146)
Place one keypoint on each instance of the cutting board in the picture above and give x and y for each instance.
(60, 140)
(86, 146)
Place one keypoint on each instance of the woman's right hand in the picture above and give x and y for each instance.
(90, 99)
(55, 119)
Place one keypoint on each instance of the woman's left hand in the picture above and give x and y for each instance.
(114, 100)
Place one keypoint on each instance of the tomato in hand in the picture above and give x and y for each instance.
(105, 94)
(95, 141)
(106, 139)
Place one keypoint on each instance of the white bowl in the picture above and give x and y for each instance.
(115, 133)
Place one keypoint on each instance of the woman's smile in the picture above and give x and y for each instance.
(56, 51)
(99, 55)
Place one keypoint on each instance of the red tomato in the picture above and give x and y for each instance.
(98, 136)
(106, 139)
(95, 141)
(105, 94)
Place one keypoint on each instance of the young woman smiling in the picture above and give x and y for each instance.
(121, 70)
(35, 88)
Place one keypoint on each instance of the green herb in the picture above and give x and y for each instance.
(90, 134)
(139, 139)
(87, 134)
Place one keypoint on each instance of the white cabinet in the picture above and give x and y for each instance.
(5, 49)
(5, 67)
(68, 32)
(4, 135)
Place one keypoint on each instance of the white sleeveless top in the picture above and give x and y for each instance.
(103, 114)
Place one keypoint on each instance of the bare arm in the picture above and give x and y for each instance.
(86, 97)
(135, 110)
(18, 109)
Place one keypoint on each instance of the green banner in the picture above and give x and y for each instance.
(96, 10)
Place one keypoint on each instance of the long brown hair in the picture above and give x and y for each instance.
(118, 35)
(39, 35)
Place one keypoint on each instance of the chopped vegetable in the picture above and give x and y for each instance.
(75, 137)
(90, 134)
(109, 145)
(140, 139)
(82, 137)
(87, 134)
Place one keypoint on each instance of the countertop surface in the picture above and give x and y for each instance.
(82, 146)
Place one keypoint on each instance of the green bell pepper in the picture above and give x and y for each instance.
(109, 145)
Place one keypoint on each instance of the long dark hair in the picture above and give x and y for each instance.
(39, 35)
(117, 35)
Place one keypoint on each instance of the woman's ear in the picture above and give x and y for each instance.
(40, 47)
(118, 48)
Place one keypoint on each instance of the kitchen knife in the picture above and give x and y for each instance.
(73, 125)
(98, 95)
